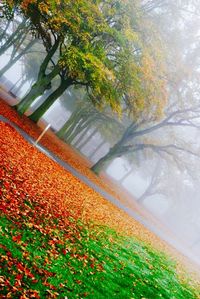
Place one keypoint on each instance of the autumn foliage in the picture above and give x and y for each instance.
(45, 179)
(56, 239)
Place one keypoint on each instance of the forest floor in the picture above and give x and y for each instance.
(52, 221)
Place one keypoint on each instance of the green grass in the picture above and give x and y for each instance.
(86, 262)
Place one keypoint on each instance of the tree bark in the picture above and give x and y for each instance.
(43, 81)
(101, 164)
(116, 151)
(37, 89)
(142, 197)
(15, 84)
(41, 110)
(64, 128)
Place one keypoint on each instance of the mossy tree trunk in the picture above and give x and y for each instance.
(43, 81)
(42, 109)
(69, 125)
(84, 124)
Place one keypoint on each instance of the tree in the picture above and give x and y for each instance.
(156, 182)
(17, 35)
(108, 56)
(82, 58)
(17, 53)
(32, 60)
(183, 108)
(84, 117)
(179, 118)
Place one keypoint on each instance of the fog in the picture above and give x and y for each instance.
(165, 182)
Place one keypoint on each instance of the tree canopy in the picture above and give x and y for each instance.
(106, 46)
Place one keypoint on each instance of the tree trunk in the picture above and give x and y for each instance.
(125, 176)
(96, 149)
(142, 197)
(13, 37)
(47, 59)
(82, 125)
(73, 131)
(116, 151)
(104, 161)
(151, 189)
(5, 30)
(81, 136)
(64, 128)
(41, 110)
(69, 125)
(88, 138)
(43, 81)
(15, 91)
(101, 164)
(37, 89)
(15, 84)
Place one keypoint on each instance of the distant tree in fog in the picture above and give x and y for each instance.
(132, 139)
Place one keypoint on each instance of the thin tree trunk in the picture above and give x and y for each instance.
(150, 190)
(125, 176)
(82, 125)
(65, 127)
(80, 138)
(69, 125)
(13, 37)
(142, 197)
(47, 59)
(18, 88)
(13, 61)
(88, 138)
(74, 131)
(15, 84)
(96, 149)
(5, 30)
(41, 110)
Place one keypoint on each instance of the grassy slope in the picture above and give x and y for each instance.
(80, 262)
